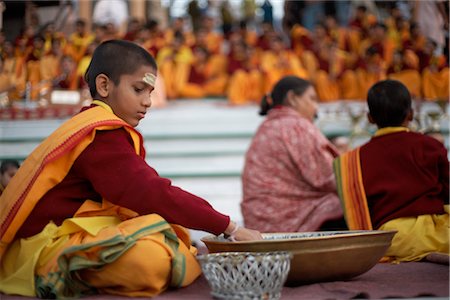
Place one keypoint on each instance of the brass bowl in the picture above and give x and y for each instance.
(317, 256)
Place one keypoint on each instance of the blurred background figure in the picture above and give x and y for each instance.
(8, 169)
(341, 47)
(195, 14)
(114, 12)
(248, 9)
(267, 10)
(433, 20)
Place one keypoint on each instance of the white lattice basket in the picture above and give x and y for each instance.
(246, 275)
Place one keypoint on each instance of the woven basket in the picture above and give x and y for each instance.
(246, 275)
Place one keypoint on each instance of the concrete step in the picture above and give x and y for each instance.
(224, 194)
(155, 148)
(209, 120)
(207, 166)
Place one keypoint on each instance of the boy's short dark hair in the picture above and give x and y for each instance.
(8, 163)
(389, 103)
(115, 58)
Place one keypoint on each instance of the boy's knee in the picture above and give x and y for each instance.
(144, 270)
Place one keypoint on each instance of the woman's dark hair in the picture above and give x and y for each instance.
(280, 90)
(8, 163)
(389, 103)
(115, 58)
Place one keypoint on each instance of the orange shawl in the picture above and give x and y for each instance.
(347, 169)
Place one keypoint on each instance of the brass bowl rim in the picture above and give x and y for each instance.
(243, 255)
(212, 239)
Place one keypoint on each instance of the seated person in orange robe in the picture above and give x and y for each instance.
(67, 77)
(279, 61)
(14, 71)
(245, 83)
(206, 76)
(86, 214)
(435, 73)
(33, 69)
(405, 68)
(174, 61)
(8, 83)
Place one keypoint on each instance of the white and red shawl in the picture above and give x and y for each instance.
(288, 180)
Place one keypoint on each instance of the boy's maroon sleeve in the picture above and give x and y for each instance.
(124, 178)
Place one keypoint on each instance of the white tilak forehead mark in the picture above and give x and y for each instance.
(150, 79)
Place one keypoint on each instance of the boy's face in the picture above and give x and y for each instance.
(130, 99)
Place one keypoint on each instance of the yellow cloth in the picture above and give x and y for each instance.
(140, 256)
(418, 236)
(347, 89)
(388, 130)
(411, 79)
(21, 259)
(49, 67)
(103, 105)
(245, 87)
(435, 85)
(83, 65)
(327, 88)
(277, 65)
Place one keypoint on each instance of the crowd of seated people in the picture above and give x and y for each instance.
(37, 62)
(242, 65)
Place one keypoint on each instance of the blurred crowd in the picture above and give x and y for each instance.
(203, 54)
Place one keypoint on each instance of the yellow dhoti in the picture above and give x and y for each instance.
(138, 257)
(418, 236)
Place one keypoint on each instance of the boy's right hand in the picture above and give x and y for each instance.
(245, 234)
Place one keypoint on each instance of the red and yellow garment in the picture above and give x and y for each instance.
(97, 248)
(417, 236)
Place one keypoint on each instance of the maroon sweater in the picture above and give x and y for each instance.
(109, 168)
(404, 174)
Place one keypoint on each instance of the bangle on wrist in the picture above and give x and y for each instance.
(230, 235)
(229, 232)
(233, 232)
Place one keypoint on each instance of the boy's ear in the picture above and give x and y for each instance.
(369, 117)
(102, 85)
